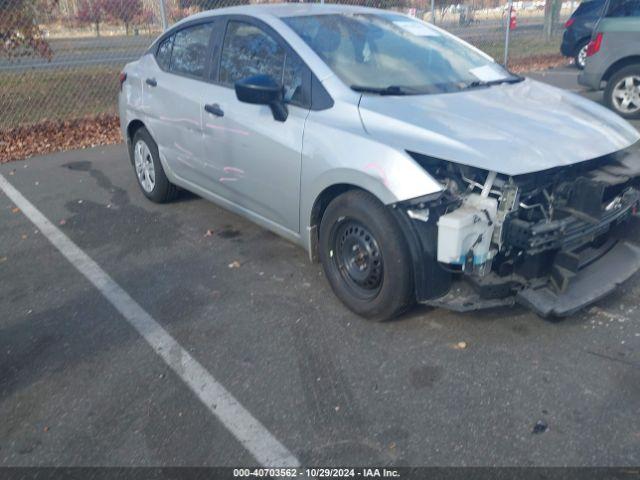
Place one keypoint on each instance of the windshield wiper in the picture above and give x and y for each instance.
(390, 90)
(481, 83)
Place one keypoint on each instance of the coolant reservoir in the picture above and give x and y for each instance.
(467, 229)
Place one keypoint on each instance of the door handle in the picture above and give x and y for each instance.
(151, 82)
(214, 109)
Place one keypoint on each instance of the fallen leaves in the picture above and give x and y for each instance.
(25, 141)
(15, 210)
(234, 264)
(536, 63)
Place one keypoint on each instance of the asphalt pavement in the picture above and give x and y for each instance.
(80, 385)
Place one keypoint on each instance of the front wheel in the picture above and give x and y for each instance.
(622, 94)
(365, 257)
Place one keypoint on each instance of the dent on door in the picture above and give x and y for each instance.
(253, 160)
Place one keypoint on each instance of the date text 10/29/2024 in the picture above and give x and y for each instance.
(316, 472)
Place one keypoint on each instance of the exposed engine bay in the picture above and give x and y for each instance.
(531, 238)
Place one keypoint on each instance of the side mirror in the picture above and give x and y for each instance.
(263, 90)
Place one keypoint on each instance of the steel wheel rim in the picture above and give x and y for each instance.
(145, 170)
(582, 56)
(358, 258)
(626, 94)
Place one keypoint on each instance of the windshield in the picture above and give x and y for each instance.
(394, 54)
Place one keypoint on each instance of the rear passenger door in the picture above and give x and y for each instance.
(252, 159)
(173, 96)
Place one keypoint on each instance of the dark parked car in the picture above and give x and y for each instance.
(578, 30)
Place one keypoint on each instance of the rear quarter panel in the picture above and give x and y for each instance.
(620, 39)
(130, 105)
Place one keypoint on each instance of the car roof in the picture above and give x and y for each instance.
(280, 10)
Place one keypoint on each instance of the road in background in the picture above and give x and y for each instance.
(84, 51)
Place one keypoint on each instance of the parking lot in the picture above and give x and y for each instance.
(202, 339)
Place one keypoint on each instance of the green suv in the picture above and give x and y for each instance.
(613, 58)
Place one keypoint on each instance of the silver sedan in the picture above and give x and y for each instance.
(414, 167)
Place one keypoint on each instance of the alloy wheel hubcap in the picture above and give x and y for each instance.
(626, 94)
(582, 56)
(145, 170)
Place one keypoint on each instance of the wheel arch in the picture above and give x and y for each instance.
(430, 280)
(132, 127)
(620, 64)
(579, 44)
(373, 179)
(320, 204)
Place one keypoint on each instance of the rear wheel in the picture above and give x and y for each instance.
(365, 257)
(622, 93)
(580, 58)
(149, 172)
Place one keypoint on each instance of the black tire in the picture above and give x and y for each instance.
(357, 226)
(617, 77)
(576, 58)
(162, 190)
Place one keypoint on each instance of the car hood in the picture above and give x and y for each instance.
(510, 128)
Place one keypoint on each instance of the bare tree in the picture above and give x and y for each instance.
(124, 10)
(551, 17)
(91, 11)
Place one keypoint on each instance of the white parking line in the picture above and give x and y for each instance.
(253, 436)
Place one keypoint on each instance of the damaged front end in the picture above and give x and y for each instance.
(549, 240)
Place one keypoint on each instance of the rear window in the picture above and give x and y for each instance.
(163, 57)
(588, 7)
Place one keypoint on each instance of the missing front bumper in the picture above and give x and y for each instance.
(590, 284)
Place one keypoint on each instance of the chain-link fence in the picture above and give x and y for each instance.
(60, 59)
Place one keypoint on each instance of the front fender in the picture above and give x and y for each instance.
(337, 151)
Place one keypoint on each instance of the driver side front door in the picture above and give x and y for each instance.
(253, 160)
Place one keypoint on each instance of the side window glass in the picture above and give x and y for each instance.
(163, 57)
(296, 74)
(190, 50)
(248, 51)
